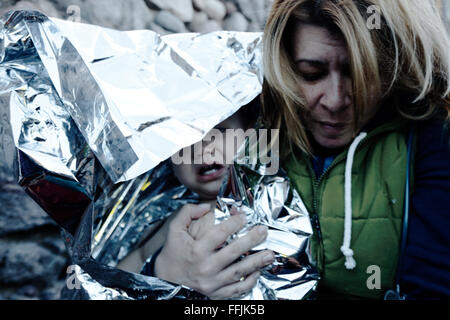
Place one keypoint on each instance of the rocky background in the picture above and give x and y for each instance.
(33, 258)
(162, 16)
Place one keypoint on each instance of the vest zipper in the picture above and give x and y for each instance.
(315, 215)
(314, 218)
(317, 182)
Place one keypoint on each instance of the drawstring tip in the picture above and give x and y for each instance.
(350, 262)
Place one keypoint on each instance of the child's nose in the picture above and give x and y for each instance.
(212, 153)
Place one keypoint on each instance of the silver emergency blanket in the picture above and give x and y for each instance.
(270, 200)
(89, 119)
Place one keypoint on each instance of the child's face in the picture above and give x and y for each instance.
(206, 178)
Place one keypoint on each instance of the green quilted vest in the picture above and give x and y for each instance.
(378, 182)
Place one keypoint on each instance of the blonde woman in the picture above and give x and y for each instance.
(360, 92)
(346, 82)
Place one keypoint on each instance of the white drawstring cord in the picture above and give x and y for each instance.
(350, 262)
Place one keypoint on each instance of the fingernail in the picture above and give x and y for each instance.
(268, 258)
(262, 230)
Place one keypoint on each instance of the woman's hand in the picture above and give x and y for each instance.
(199, 227)
(198, 263)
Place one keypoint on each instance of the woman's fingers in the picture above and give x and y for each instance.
(238, 288)
(187, 214)
(234, 211)
(219, 233)
(239, 246)
(200, 227)
(249, 265)
(199, 264)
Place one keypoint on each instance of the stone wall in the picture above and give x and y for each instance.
(33, 259)
(162, 16)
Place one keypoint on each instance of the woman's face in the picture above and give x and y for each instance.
(322, 63)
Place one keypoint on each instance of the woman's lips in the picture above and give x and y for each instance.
(332, 128)
(208, 173)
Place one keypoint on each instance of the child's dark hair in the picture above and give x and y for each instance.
(250, 112)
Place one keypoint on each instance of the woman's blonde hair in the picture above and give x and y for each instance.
(406, 59)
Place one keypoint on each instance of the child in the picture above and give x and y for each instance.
(203, 177)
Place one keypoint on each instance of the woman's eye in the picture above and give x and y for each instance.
(310, 77)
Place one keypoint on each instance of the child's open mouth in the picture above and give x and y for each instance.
(210, 172)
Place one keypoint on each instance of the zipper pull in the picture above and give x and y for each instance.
(316, 225)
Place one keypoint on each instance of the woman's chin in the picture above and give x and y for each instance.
(336, 142)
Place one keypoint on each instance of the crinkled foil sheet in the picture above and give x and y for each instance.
(89, 118)
(270, 200)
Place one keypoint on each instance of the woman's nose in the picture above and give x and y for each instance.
(337, 94)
